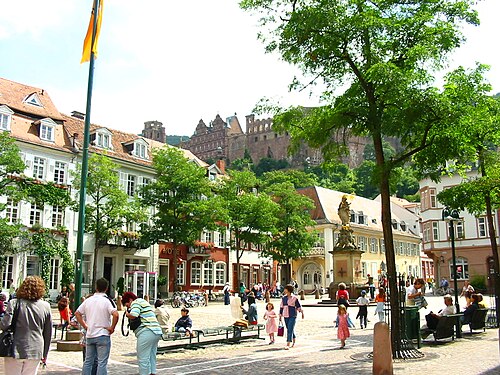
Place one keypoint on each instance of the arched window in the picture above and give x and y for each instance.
(195, 273)
(306, 278)
(462, 269)
(317, 277)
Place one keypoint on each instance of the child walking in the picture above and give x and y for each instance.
(343, 324)
(380, 299)
(363, 303)
(271, 326)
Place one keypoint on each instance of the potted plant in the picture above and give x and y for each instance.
(162, 282)
(120, 288)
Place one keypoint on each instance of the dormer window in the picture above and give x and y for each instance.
(47, 129)
(402, 225)
(5, 117)
(33, 99)
(102, 139)
(137, 147)
(140, 150)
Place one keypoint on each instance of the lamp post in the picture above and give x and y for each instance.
(450, 216)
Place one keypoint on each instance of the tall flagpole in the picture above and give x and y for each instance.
(85, 167)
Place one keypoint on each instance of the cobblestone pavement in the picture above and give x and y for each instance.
(316, 351)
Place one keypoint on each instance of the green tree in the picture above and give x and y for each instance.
(480, 141)
(11, 164)
(251, 213)
(336, 176)
(184, 202)
(385, 52)
(298, 179)
(293, 237)
(108, 207)
(270, 164)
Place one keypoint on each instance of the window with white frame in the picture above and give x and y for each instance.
(8, 271)
(86, 269)
(47, 132)
(427, 232)
(39, 167)
(181, 273)
(5, 117)
(362, 243)
(432, 198)
(460, 230)
(401, 248)
(220, 273)
(435, 231)
(196, 273)
(206, 236)
(208, 273)
(57, 216)
(131, 185)
(35, 214)
(373, 245)
(382, 246)
(140, 150)
(60, 172)
(103, 140)
(221, 238)
(306, 278)
(54, 274)
(462, 268)
(407, 248)
(481, 226)
(12, 211)
(32, 266)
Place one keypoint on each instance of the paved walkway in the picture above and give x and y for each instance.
(316, 351)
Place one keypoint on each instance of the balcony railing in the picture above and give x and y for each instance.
(316, 251)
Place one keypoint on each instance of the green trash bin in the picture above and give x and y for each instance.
(412, 323)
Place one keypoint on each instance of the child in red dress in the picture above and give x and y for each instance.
(343, 324)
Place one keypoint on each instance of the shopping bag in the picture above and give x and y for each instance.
(281, 330)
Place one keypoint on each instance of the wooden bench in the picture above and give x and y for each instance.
(208, 336)
(445, 328)
(478, 320)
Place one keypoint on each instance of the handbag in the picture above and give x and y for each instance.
(281, 330)
(7, 336)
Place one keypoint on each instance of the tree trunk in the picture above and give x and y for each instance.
(384, 174)
(94, 268)
(494, 246)
(175, 254)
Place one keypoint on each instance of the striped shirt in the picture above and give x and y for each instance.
(289, 306)
(141, 308)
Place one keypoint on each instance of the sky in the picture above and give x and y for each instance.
(177, 62)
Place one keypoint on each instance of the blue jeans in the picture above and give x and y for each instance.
(97, 347)
(290, 325)
(147, 345)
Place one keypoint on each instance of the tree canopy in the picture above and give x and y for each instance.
(384, 53)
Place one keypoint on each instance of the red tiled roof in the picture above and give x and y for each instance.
(118, 140)
(13, 95)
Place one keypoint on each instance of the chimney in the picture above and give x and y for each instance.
(78, 115)
(221, 164)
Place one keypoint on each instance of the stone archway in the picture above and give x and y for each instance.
(311, 274)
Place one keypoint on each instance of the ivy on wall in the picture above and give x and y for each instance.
(46, 246)
(43, 192)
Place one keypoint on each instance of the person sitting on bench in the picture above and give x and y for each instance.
(469, 311)
(184, 324)
(433, 319)
(251, 314)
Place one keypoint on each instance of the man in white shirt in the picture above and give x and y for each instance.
(433, 319)
(100, 321)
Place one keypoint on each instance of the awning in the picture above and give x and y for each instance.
(245, 267)
(256, 267)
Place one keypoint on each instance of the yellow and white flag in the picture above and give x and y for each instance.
(87, 43)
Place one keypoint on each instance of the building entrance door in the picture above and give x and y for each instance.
(311, 277)
(107, 273)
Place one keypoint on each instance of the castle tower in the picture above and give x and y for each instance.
(154, 130)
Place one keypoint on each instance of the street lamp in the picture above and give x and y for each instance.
(451, 216)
